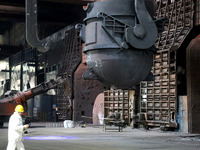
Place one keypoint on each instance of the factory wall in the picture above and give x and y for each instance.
(15, 36)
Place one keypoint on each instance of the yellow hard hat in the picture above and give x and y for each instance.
(19, 108)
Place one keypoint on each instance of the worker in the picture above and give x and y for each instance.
(56, 114)
(16, 129)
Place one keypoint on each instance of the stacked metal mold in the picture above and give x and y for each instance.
(119, 101)
(159, 97)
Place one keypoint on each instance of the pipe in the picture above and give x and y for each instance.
(31, 27)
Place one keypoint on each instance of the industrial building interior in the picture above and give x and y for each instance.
(102, 65)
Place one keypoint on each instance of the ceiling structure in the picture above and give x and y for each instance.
(49, 11)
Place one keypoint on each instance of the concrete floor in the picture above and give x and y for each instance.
(94, 138)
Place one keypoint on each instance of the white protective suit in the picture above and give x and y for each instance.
(15, 132)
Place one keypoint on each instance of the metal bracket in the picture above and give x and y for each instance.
(142, 36)
(81, 28)
(109, 25)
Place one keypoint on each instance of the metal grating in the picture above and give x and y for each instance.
(159, 97)
(197, 12)
(70, 59)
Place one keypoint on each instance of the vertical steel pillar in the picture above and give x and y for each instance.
(193, 85)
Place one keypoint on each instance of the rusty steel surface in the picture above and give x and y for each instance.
(85, 94)
(7, 109)
(193, 85)
(98, 110)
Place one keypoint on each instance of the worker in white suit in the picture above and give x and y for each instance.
(16, 129)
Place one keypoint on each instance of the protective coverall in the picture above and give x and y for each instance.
(15, 132)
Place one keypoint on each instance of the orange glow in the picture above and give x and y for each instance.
(85, 7)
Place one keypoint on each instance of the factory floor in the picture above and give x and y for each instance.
(42, 136)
